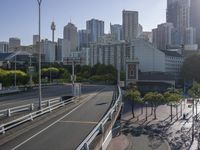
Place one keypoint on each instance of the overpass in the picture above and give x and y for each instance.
(74, 129)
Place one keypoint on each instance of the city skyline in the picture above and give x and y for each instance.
(22, 22)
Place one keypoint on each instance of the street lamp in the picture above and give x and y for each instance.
(15, 72)
(39, 24)
(146, 103)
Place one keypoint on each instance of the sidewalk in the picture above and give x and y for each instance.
(141, 132)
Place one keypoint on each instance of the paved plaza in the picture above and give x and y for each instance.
(159, 134)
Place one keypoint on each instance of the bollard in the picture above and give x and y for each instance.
(8, 113)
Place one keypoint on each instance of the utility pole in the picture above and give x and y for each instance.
(15, 71)
(53, 28)
(39, 26)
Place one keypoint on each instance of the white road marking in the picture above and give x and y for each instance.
(54, 122)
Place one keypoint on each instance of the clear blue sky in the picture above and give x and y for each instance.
(19, 18)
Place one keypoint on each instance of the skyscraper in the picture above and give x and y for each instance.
(83, 38)
(195, 18)
(116, 31)
(95, 28)
(162, 36)
(130, 25)
(178, 13)
(70, 33)
(14, 43)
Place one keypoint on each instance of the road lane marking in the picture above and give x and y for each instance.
(80, 122)
(19, 145)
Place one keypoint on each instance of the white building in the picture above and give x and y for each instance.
(173, 63)
(152, 59)
(115, 53)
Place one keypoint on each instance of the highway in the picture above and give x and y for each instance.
(47, 93)
(68, 131)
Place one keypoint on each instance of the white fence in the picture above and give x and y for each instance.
(31, 116)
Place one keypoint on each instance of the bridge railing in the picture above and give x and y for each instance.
(100, 126)
(9, 111)
(29, 117)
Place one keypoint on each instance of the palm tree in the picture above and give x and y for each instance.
(134, 96)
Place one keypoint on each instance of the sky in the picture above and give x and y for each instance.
(19, 18)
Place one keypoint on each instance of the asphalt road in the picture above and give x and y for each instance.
(69, 131)
(47, 93)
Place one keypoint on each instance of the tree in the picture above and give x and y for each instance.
(172, 99)
(190, 68)
(148, 98)
(134, 96)
(194, 92)
(155, 99)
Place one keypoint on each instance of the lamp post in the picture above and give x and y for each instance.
(39, 24)
(15, 72)
(146, 103)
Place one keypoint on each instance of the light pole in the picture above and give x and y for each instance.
(15, 73)
(146, 103)
(39, 24)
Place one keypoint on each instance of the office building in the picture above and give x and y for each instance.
(14, 43)
(83, 38)
(115, 53)
(116, 31)
(178, 13)
(130, 25)
(195, 18)
(48, 49)
(95, 28)
(70, 33)
(35, 39)
(162, 36)
(190, 36)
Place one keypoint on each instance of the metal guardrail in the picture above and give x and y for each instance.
(8, 112)
(28, 107)
(100, 126)
(31, 116)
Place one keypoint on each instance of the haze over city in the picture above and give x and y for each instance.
(23, 15)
